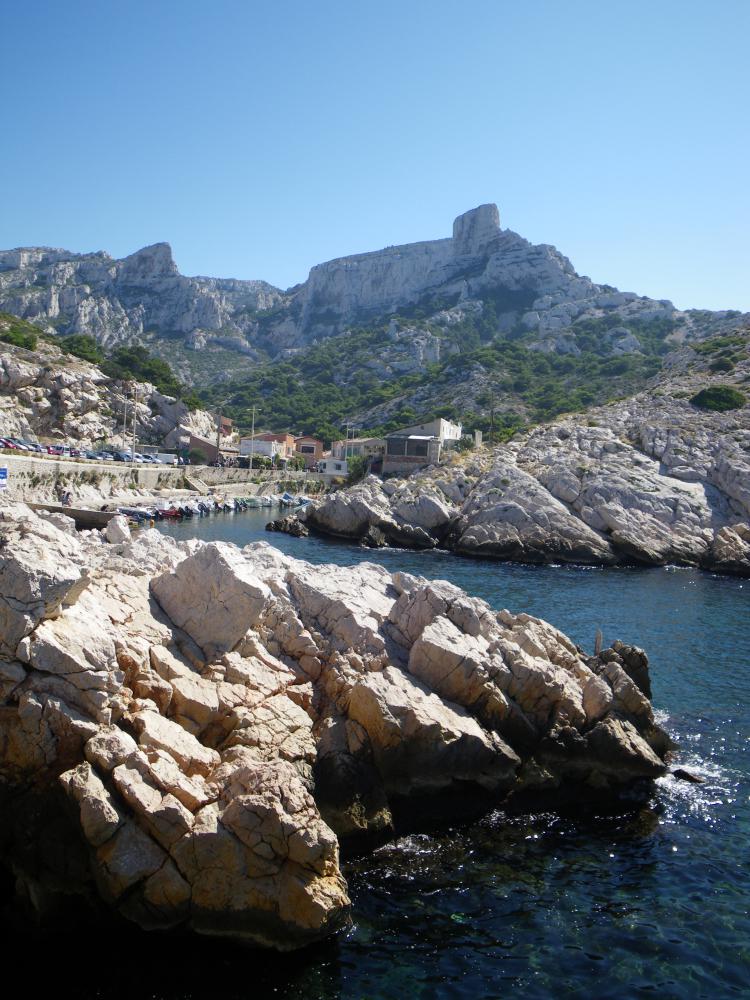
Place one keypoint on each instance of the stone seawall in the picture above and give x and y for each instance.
(38, 478)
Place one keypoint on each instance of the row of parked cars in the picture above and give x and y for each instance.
(66, 451)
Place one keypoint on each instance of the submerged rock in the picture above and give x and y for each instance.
(218, 718)
(289, 525)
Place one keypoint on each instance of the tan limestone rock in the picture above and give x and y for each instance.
(156, 732)
(99, 817)
(214, 595)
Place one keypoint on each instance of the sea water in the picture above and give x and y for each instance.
(653, 900)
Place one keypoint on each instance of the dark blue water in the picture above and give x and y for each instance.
(652, 901)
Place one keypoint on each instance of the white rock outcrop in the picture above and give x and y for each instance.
(218, 717)
(651, 480)
(45, 393)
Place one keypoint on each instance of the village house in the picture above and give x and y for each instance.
(364, 447)
(412, 448)
(270, 445)
(332, 467)
(202, 450)
(440, 428)
(310, 448)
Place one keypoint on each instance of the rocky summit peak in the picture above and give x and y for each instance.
(475, 229)
(152, 261)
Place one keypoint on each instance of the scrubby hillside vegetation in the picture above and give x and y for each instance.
(384, 376)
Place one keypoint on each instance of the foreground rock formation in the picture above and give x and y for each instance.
(187, 729)
(651, 480)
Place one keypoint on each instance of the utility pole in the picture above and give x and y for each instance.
(125, 415)
(135, 415)
(252, 441)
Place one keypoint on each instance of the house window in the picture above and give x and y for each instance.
(338, 466)
(396, 446)
(418, 448)
(307, 449)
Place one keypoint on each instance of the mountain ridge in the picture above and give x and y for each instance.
(480, 285)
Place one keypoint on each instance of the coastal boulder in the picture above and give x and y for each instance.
(218, 718)
(117, 530)
(214, 595)
(40, 570)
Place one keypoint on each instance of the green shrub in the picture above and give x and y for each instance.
(721, 365)
(356, 468)
(19, 337)
(720, 398)
(83, 346)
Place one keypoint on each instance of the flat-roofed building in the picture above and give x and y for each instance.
(404, 453)
(334, 467)
(444, 430)
(269, 444)
(365, 447)
(311, 449)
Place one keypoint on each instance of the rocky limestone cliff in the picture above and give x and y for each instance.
(118, 300)
(189, 728)
(54, 396)
(534, 289)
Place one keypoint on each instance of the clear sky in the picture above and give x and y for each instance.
(261, 138)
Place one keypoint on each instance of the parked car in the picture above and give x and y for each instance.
(19, 443)
(123, 456)
(151, 459)
(104, 456)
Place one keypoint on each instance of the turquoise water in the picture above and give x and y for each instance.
(650, 901)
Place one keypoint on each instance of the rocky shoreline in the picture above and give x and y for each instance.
(651, 480)
(202, 726)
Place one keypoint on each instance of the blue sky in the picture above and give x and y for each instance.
(260, 139)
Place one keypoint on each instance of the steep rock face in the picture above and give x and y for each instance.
(534, 284)
(216, 717)
(115, 300)
(144, 294)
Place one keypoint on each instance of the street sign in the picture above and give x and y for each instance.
(3, 477)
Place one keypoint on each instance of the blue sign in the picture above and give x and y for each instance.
(3, 477)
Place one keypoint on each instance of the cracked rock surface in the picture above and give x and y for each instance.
(206, 723)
